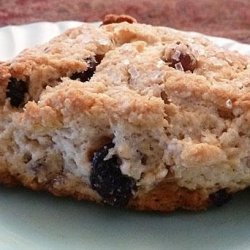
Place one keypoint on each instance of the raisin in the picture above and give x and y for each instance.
(182, 58)
(107, 179)
(16, 91)
(220, 197)
(27, 157)
(86, 75)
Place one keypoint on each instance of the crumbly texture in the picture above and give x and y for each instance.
(166, 113)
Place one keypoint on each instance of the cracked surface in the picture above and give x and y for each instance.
(176, 108)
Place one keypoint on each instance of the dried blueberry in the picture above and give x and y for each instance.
(107, 179)
(86, 75)
(16, 91)
(220, 197)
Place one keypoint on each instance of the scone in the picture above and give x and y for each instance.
(127, 114)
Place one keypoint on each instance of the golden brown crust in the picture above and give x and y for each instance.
(7, 179)
(164, 197)
(167, 197)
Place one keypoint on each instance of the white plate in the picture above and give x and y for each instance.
(36, 221)
(13, 39)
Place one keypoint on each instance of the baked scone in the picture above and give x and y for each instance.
(129, 115)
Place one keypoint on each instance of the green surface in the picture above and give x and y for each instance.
(30, 220)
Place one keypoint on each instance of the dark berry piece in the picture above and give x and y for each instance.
(27, 157)
(102, 153)
(182, 58)
(220, 197)
(16, 91)
(86, 75)
(107, 179)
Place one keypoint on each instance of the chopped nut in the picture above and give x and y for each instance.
(112, 18)
(181, 58)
